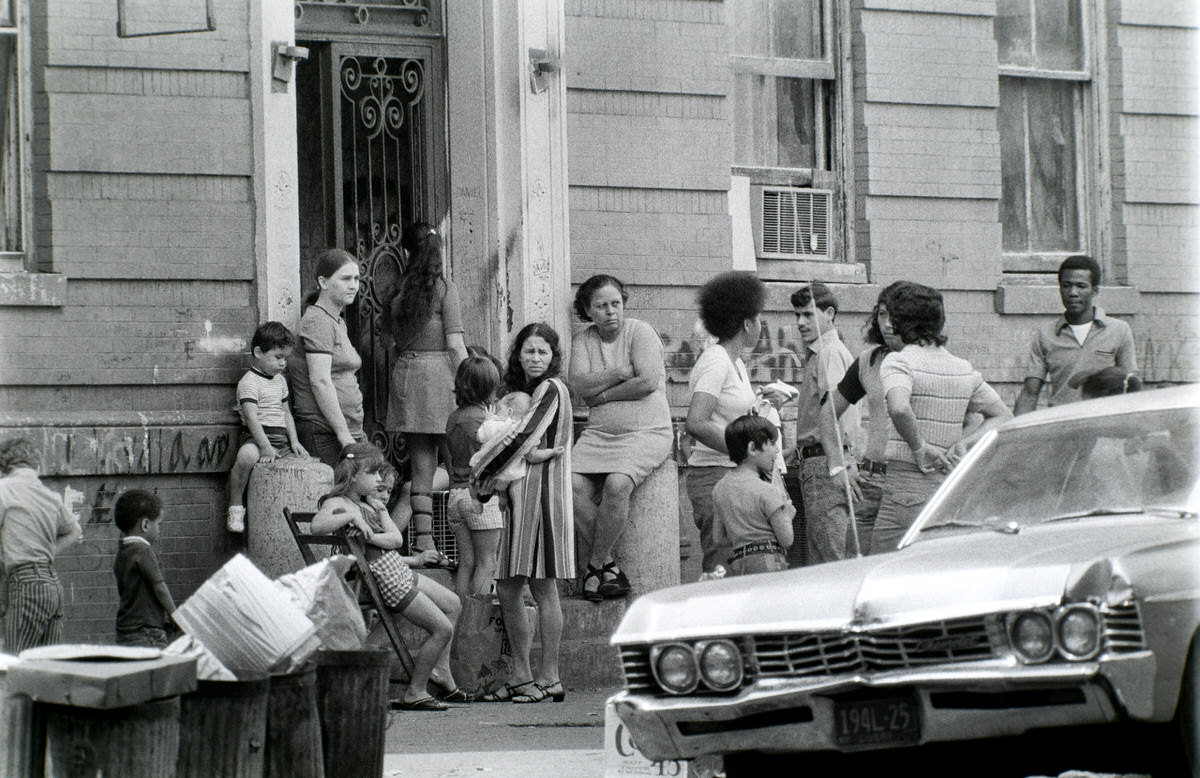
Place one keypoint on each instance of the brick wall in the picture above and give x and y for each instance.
(143, 201)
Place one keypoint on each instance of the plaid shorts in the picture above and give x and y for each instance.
(460, 512)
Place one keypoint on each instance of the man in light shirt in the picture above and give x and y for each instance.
(1084, 339)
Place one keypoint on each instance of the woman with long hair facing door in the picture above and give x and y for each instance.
(427, 334)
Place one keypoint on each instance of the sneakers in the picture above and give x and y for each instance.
(235, 520)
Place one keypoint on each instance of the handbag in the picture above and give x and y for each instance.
(394, 577)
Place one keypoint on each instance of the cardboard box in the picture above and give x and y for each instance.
(106, 683)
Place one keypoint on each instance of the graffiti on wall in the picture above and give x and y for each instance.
(776, 356)
(147, 450)
(1174, 360)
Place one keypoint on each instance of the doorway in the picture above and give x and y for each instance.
(372, 160)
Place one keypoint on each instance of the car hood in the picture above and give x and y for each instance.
(941, 578)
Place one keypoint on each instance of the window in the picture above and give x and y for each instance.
(784, 129)
(1044, 82)
(15, 171)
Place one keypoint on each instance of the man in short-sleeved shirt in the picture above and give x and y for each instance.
(823, 458)
(35, 525)
(1083, 339)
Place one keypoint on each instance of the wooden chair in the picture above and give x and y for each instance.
(300, 524)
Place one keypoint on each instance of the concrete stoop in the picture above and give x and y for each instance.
(586, 660)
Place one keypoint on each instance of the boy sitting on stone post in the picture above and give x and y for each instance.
(269, 430)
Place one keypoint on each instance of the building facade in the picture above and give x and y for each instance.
(172, 167)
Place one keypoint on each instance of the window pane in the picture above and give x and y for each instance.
(798, 29)
(791, 139)
(753, 131)
(1059, 35)
(776, 28)
(1012, 166)
(796, 123)
(10, 148)
(1055, 216)
(1014, 32)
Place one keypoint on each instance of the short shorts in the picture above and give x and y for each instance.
(276, 436)
(460, 512)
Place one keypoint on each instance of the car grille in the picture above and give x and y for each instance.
(823, 654)
(1122, 628)
(833, 653)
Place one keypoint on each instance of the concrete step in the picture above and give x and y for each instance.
(585, 655)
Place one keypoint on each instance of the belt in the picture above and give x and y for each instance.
(871, 466)
(765, 547)
(813, 450)
(30, 569)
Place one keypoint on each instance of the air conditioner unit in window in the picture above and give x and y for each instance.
(790, 223)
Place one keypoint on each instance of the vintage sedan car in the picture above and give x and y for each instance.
(1052, 581)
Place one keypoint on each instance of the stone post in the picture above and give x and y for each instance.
(648, 550)
(290, 482)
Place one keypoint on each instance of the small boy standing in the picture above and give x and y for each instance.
(146, 602)
(752, 512)
(35, 527)
(270, 430)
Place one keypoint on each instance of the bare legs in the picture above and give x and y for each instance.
(520, 631)
(422, 454)
(601, 510)
(434, 610)
(477, 560)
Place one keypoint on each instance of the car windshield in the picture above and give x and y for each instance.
(1132, 463)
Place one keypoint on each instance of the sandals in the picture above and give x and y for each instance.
(592, 595)
(522, 693)
(446, 694)
(423, 704)
(525, 697)
(554, 691)
(615, 587)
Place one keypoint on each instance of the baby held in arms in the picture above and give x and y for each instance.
(503, 419)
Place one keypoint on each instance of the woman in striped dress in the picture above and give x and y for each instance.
(538, 545)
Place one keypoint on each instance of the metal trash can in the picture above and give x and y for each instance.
(293, 747)
(352, 697)
(223, 728)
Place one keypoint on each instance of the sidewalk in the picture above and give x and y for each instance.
(501, 739)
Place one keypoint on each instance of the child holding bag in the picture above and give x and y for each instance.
(354, 506)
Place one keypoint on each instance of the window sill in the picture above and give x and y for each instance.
(830, 271)
(1031, 298)
(33, 290)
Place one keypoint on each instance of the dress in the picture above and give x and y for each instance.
(421, 395)
(631, 437)
(539, 539)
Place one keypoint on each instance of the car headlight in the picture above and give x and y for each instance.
(674, 666)
(1078, 631)
(720, 664)
(1032, 636)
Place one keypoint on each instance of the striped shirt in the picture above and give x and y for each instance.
(268, 393)
(943, 390)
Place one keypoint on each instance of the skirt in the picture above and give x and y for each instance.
(422, 393)
(635, 454)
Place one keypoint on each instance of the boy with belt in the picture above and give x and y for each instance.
(751, 511)
(35, 526)
(824, 460)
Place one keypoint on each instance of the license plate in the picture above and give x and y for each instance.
(889, 721)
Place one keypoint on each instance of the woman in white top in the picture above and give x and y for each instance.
(720, 391)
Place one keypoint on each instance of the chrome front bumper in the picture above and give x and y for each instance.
(786, 715)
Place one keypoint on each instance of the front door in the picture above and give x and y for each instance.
(371, 161)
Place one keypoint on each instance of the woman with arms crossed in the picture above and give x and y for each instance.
(617, 368)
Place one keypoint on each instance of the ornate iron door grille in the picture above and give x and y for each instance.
(381, 163)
